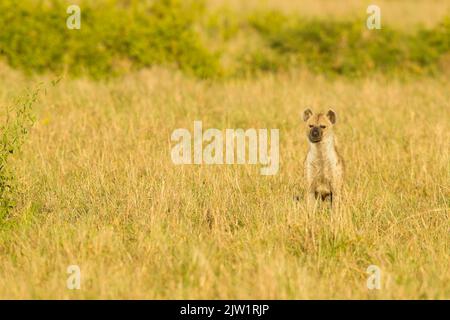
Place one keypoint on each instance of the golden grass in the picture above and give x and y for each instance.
(99, 190)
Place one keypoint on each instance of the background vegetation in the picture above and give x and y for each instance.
(119, 36)
(16, 122)
(95, 185)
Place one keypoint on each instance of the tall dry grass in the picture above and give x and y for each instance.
(99, 190)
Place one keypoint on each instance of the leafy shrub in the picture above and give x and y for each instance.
(115, 36)
(16, 123)
(348, 47)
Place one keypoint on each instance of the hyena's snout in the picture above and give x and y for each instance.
(315, 134)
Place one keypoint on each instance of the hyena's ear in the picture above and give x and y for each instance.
(331, 115)
(307, 114)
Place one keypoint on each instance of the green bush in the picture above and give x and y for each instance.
(16, 121)
(348, 47)
(115, 36)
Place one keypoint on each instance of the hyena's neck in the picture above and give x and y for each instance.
(325, 149)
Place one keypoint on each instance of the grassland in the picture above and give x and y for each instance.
(96, 186)
(98, 189)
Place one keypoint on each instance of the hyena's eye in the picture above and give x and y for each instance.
(311, 126)
(323, 127)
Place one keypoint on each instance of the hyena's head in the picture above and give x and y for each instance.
(319, 126)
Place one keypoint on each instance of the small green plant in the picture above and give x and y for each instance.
(16, 122)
